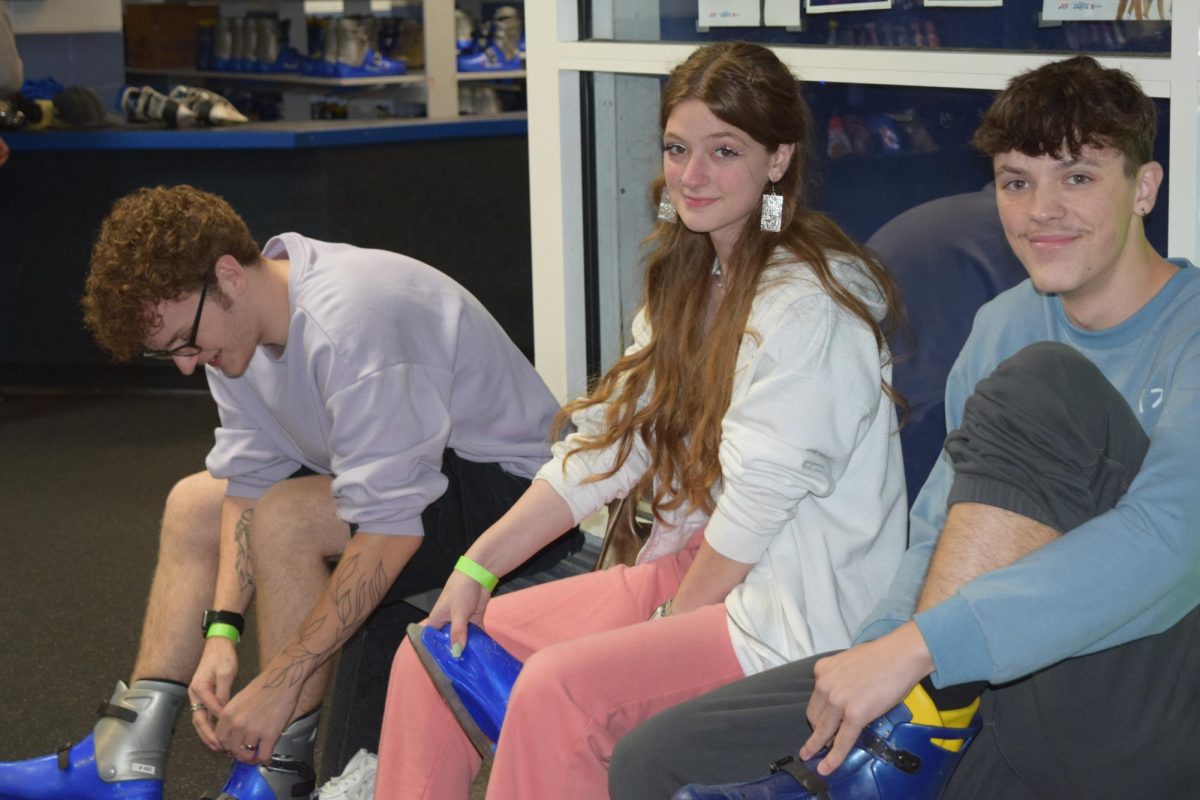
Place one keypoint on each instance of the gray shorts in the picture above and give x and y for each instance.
(1048, 437)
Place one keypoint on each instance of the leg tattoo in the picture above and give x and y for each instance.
(241, 536)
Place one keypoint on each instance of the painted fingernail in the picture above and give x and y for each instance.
(456, 649)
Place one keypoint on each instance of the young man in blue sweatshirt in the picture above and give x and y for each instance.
(1046, 613)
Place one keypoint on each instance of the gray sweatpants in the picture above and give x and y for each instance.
(1048, 437)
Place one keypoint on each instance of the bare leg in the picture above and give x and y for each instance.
(183, 580)
(977, 539)
(295, 533)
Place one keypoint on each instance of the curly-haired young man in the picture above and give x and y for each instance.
(373, 414)
(1047, 613)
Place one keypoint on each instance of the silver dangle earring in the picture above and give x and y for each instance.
(666, 209)
(772, 211)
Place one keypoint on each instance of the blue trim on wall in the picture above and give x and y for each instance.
(268, 136)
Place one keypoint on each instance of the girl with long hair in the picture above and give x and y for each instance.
(753, 411)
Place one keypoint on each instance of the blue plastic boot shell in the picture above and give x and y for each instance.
(41, 779)
(374, 64)
(894, 759)
(246, 783)
(488, 60)
(476, 685)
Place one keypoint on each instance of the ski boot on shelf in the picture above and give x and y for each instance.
(206, 44)
(358, 53)
(273, 50)
(502, 51)
(289, 776)
(222, 51)
(893, 758)
(123, 758)
(233, 58)
(322, 59)
(509, 34)
(476, 684)
(465, 36)
(403, 40)
(145, 104)
(209, 107)
(246, 61)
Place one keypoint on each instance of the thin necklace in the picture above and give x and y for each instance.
(716, 273)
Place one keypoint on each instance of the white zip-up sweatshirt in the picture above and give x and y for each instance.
(812, 491)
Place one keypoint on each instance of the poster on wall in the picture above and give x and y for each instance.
(1122, 10)
(781, 13)
(728, 14)
(964, 3)
(831, 6)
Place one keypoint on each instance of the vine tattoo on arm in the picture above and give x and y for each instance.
(355, 591)
(241, 537)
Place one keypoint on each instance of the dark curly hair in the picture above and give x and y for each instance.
(155, 245)
(1059, 108)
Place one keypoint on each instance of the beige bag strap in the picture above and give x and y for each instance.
(624, 535)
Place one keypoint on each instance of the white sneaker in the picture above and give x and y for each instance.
(357, 781)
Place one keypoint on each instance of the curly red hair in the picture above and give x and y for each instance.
(157, 244)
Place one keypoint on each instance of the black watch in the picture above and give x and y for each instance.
(213, 616)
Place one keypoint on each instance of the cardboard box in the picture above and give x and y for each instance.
(164, 36)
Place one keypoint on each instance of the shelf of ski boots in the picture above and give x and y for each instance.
(279, 77)
(278, 135)
(343, 51)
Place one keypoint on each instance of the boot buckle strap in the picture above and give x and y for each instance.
(307, 775)
(813, 783)
(108, 709)
(900, 759)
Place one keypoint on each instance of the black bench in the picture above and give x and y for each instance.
(354, 708)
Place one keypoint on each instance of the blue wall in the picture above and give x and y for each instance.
(95, 60)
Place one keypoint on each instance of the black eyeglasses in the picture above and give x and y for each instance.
(188, 348)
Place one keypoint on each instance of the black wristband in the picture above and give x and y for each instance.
(213, 616)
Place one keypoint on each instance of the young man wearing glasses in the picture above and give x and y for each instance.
(373, 414)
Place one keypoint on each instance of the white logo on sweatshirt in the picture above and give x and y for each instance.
(1156, 396)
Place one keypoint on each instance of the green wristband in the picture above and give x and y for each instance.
(480, 574)
(224, 630)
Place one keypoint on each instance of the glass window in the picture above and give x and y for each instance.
(879, 150)
(1014, 26)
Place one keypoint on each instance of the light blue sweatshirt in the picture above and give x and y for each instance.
(1131, 572)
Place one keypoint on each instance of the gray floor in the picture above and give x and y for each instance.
(82, 481)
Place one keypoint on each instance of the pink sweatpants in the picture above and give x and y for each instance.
(594, 669)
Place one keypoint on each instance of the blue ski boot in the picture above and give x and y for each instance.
(476, 685)
(358, 54)
(123, 758)
(894, 759)
(289, 776)
(502, 51)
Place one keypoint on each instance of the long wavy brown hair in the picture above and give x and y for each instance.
(688, 370)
